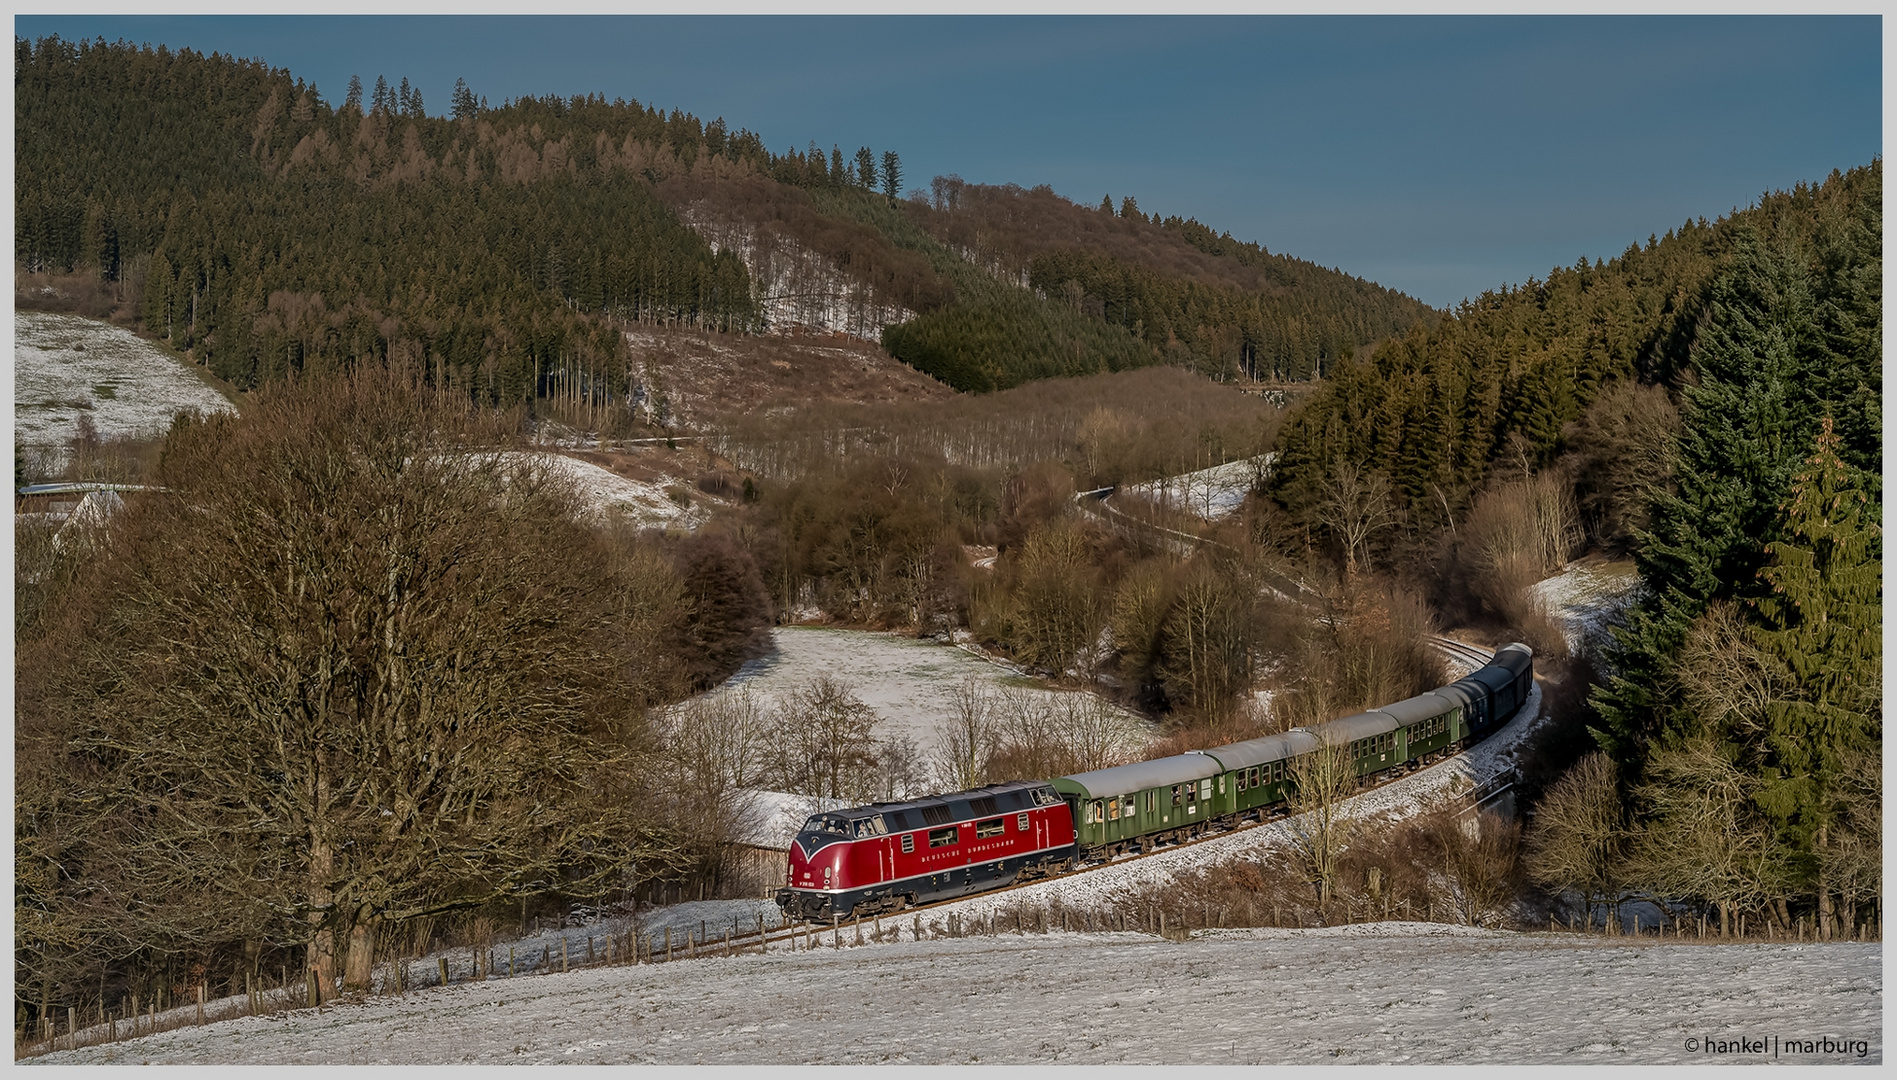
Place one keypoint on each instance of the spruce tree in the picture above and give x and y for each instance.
(353, 99)
(1822, 620)
(461, 103)
(892, 174)
(1735, 459)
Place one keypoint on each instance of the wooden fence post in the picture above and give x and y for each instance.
(200, 1004)
(72, 1027)
(441, 968)
(563, 961)
(668, 943)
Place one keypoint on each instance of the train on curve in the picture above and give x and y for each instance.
(887, 856)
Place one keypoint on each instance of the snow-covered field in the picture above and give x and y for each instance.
(1379, 993)
(907, 681)
(1588, 598)
(68, 366)
(646, 503)
(1211, 493)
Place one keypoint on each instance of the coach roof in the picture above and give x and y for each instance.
(1244, 755)
(1141, 775)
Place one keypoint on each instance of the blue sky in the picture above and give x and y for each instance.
(1441, 156)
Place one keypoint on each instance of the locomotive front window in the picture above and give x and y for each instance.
(828, 824)
(944, 837)
(991, 827)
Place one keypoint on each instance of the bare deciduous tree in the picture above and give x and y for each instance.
(1322, 822)
(1578, 843)
(966, 748)
(1355, 506)
(1702, 836)
(346, 676)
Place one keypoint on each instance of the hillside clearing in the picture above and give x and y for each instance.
(69, 366)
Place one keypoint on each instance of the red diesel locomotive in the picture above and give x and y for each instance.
(878, 858)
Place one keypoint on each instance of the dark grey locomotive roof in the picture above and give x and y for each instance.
(956, 806)
(1141, 775)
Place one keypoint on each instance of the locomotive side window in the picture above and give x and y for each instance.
(908, 844)
(944, 837)
(1021, 822)
(991, 827)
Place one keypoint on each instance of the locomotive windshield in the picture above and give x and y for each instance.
(825, 823)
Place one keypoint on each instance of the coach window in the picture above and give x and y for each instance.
(908, 844)
(1113, 809)
(1175, 794)
(1240, 781)
(1205, 788)
(943, 837)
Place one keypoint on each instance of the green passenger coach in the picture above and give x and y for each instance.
(1171, 799)
(1145, 800)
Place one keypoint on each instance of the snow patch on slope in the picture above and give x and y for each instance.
(68, 366)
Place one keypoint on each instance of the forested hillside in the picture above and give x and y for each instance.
(1196, 298)
(264, 229)
(1709, 402)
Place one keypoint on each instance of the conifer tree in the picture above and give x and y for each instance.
(892, 174)
(1822, 621)
(865, 168)
(353, 99)
(1732, 469)
(461, 103)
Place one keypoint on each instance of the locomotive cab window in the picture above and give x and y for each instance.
(908, 844)
(991, 827)
(944, 837)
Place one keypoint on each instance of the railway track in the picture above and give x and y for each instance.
(1461, 650)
